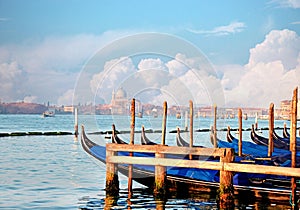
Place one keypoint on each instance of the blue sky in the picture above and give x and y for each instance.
(45, 41)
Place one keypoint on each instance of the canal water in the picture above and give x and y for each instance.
(53, 172)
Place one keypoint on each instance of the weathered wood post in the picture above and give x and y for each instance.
(164, 123)
(226, 191)
(76, 122)
(186, 121)
(191, 126)
(271, 130)
(240, 116)
(293, 145)
(215, 126)
(284, 126)
(132, 127)
(256, 121)
(112, 179)
(160, 171)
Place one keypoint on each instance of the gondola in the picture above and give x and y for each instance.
(115, 138)
(179, 141)
(185, 180)
(144, 139)
(229, 137)
(286, 140)
(250, 150)
(265, 141)
(285, 133)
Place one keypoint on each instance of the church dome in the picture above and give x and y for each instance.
(121, 93)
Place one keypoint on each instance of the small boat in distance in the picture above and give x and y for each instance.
(48, 113)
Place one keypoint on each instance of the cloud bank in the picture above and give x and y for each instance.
(48, 71)
(271, 74)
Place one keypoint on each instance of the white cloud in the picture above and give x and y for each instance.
(30, 99)
(47, 68)
(4, 19)
(11, 81)
(288, 3)
(66, 98)
(272, 73)
(111, 77)
(232, 28)
(296, 23)
(281, 45)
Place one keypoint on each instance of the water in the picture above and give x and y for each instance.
(53, 172)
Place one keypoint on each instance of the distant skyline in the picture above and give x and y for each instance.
(253, 47)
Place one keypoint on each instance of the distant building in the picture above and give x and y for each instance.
(119, 102)
(285, 109)
(69, 109)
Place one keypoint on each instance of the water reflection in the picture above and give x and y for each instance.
(142, 199)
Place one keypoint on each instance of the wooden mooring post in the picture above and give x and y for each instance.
(76, 122)
(293, 149)
(131, 142)
(240, 116)
(226, 190)
(112, 180)
(215, 127)
(160, 188)
(271, 130)
(191, 126)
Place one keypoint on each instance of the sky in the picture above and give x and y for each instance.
(230, 53)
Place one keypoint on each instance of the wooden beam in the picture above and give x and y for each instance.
(237, 167)
(216, 152)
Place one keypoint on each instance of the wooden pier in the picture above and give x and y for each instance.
(225, 165)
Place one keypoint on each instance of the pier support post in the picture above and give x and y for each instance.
(225, 193)
(271, 130)
(112, 180)
(256, 121)
(240, 116)
(186, 121)
(293, 147)
(160, 187)
(76, 122)
(132, 128)
(191, 126)
(215, 127)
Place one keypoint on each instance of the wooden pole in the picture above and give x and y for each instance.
(160, 171)
(240, 116)
(164, 123)
(284, 126)
(191, 126)
(256, 121)
(76, 121)
(132, 126)
(293, 145)
(186, 121)
(271, 130)
(112, 179)
(226, 190)
(215, 126)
